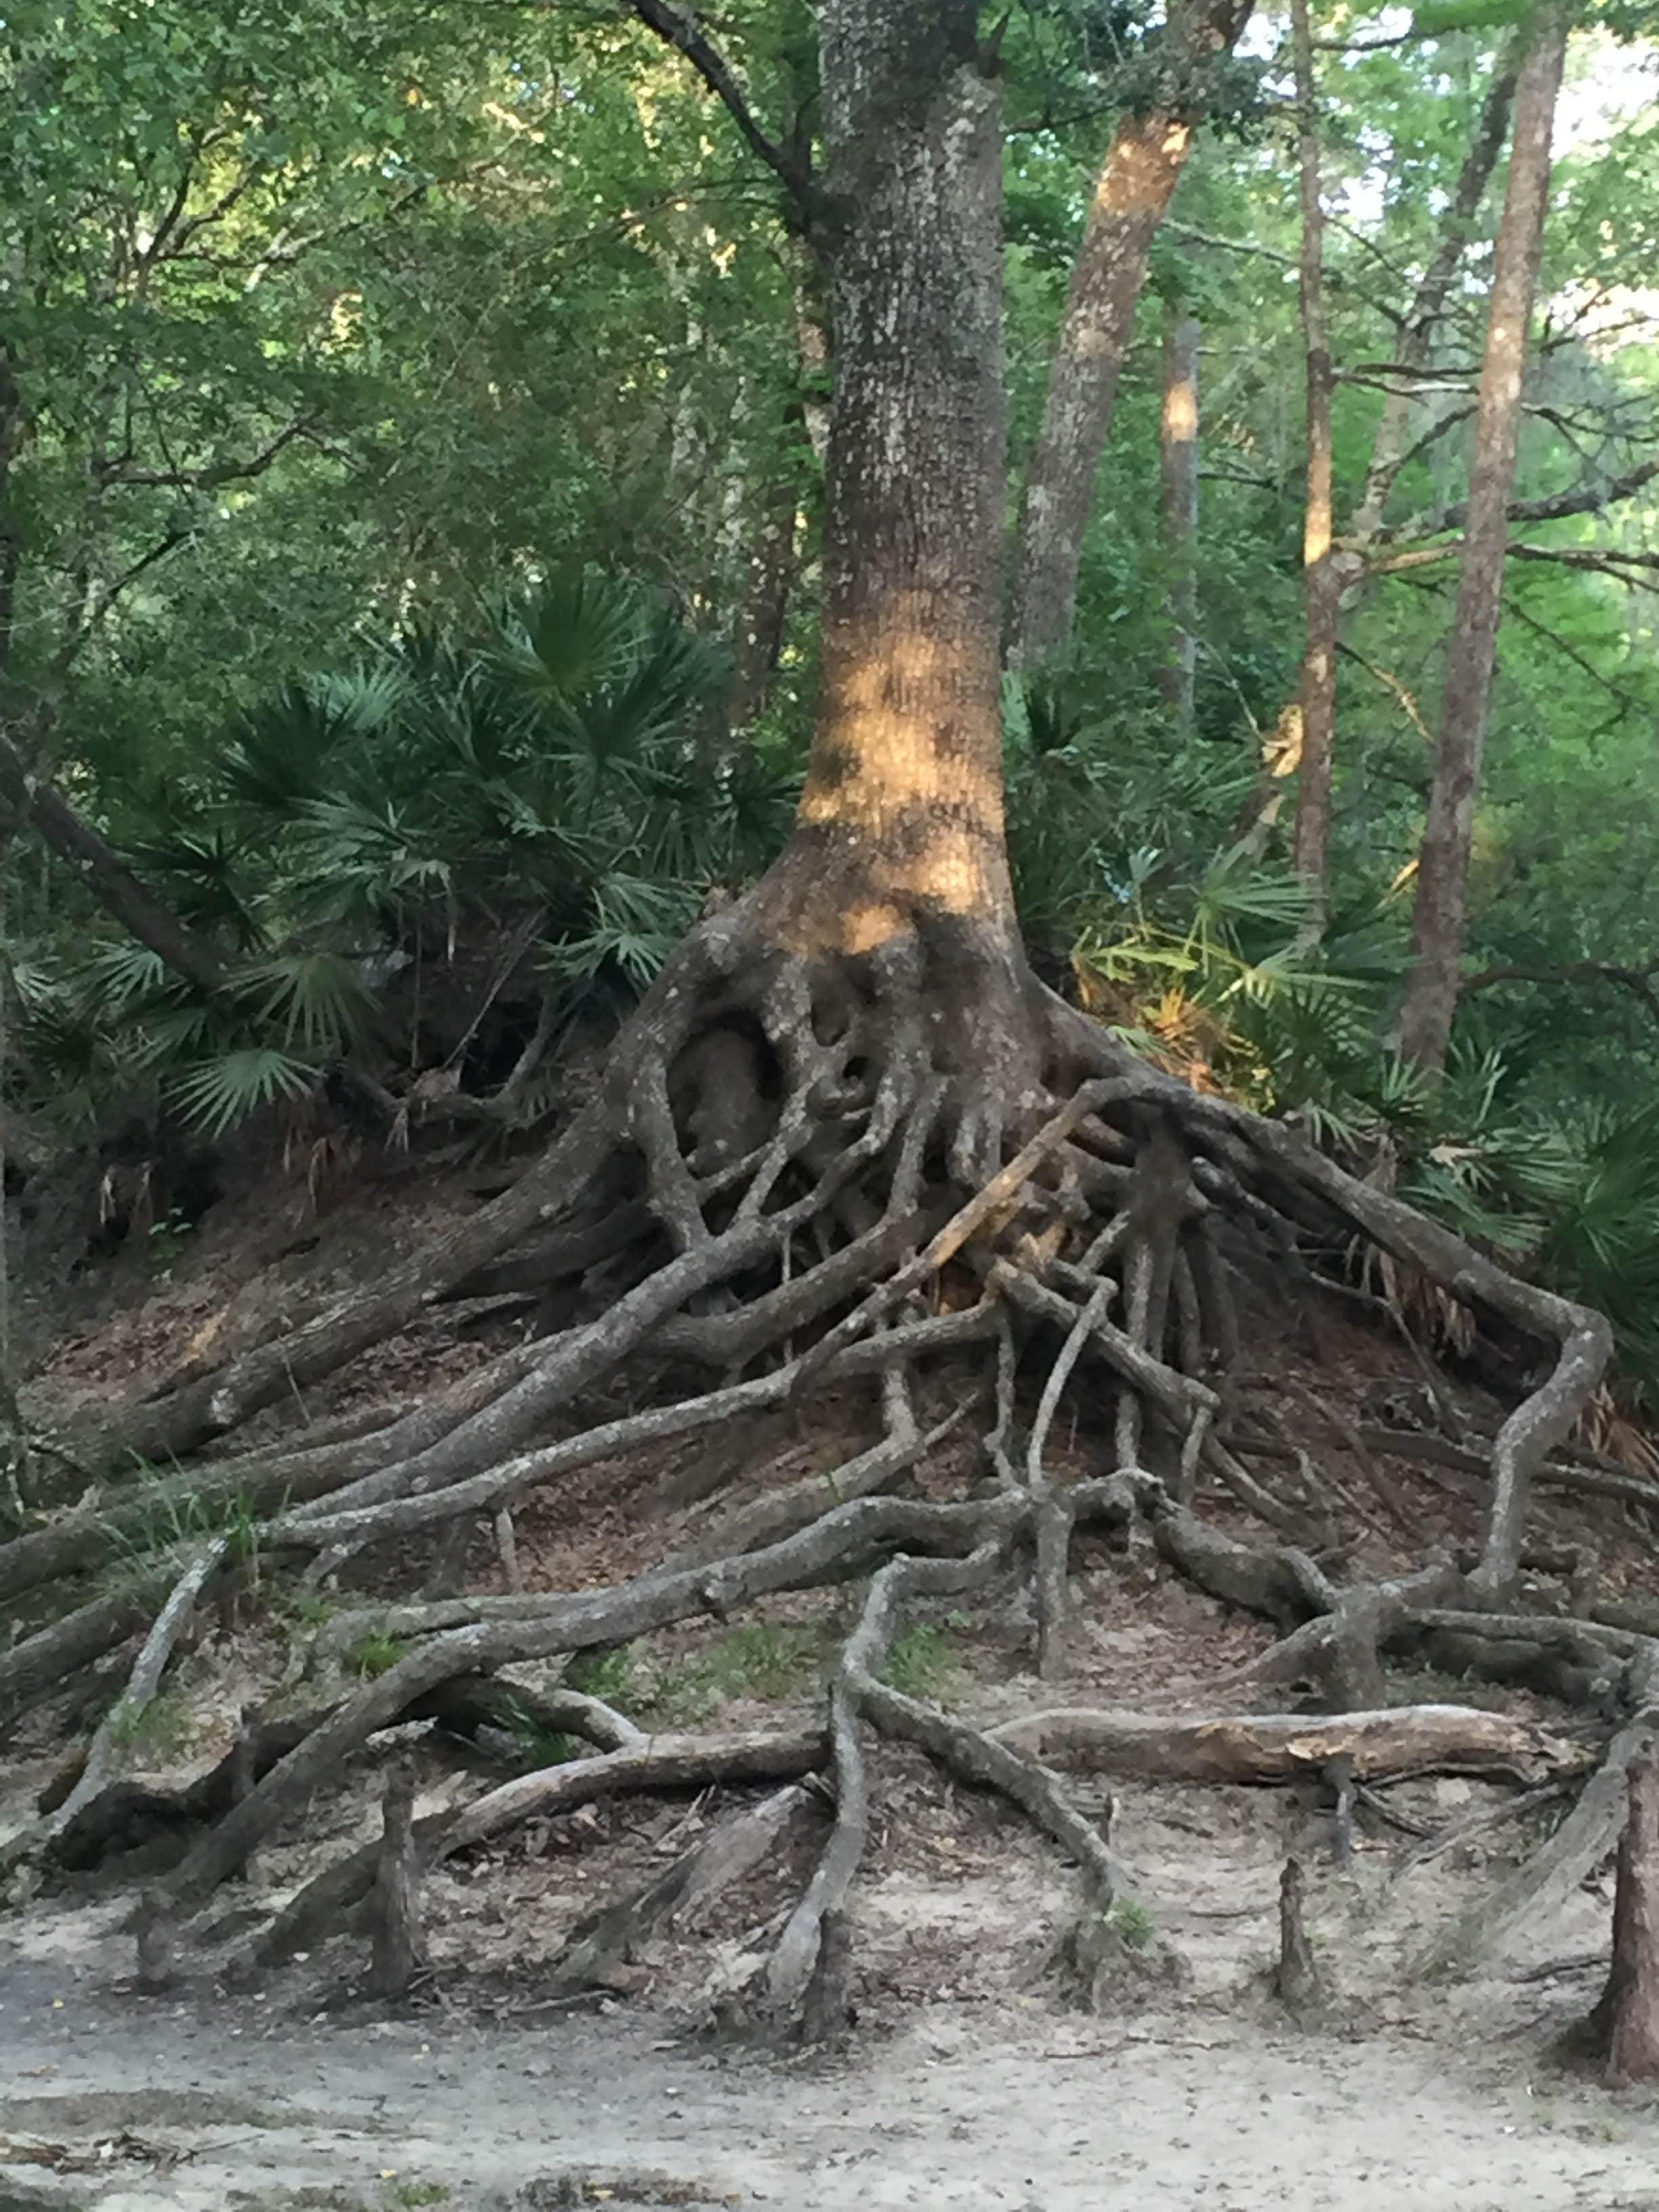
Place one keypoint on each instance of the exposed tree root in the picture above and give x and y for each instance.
(660, 1762)
(1273, 1747)
(915, 1171)
(606, 1942)
(142, 1686)
(1541, 1884)
(395, 1909)
(1296, 1978)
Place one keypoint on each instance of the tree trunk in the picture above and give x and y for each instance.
(397, 1937)
(899, 835)
(764, 611)
(1320, 580)
(1178, 453)
(1141, 173)
(1416, 334)
(11, 543)
(1437, 920)
(1625, 2023)
(1296, 1981)
(775, 563)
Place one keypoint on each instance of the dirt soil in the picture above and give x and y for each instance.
(973, 2076)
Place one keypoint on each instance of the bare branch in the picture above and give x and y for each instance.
(1588, 498)
(1638, 982)
(682, 33)
(211, 474)
(1609, 561)
(1392, 685)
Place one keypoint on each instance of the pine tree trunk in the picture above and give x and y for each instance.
(1178, 455)
(1437, 921)
(1141, 173)
(1321, 583)
(900, 828)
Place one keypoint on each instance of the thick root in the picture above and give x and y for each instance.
(846, 1171)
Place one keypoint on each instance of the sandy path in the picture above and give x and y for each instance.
(972, 2108)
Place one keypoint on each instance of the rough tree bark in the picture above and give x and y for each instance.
(1178, 480)
(1321, 583)
(1141, 170)
(1625, 2024)
(1439, 916)
(897, 852)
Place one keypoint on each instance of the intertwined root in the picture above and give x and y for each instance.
(793, 1176)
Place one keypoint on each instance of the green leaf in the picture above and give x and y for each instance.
(226, 1090)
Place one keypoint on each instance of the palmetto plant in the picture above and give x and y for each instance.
(545, 765)
(1199, 952)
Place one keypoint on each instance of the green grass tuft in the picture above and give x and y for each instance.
(537, 1745)
(1128, 1918)
(375, 1652)
(156, 1730)
(923, 1663)
(605, 1674)
(759, 1660)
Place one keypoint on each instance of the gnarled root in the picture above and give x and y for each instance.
(913, 1173)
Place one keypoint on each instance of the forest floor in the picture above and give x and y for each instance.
(972, 2076)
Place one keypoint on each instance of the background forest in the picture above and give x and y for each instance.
(411, 423)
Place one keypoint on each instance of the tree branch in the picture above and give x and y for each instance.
(1638, 982)
(682, 33)
(1392, 685)
(212, 473)
(1513, 609)
(29, 798)
(1583, 499)
(1607, 561)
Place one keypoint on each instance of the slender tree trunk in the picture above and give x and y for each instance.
(899, 829)
(1321, 582)
(7, 1385)
(1437, 921)
(1178, 455)
(11, 548)
(1624, 2026)
(1141, 171)
(763, 613)
(1418, 332)
(775, 564)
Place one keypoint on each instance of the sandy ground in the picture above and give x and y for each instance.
(216, 2103)
(969, 2082)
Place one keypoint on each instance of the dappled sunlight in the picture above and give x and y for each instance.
(904, 795)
